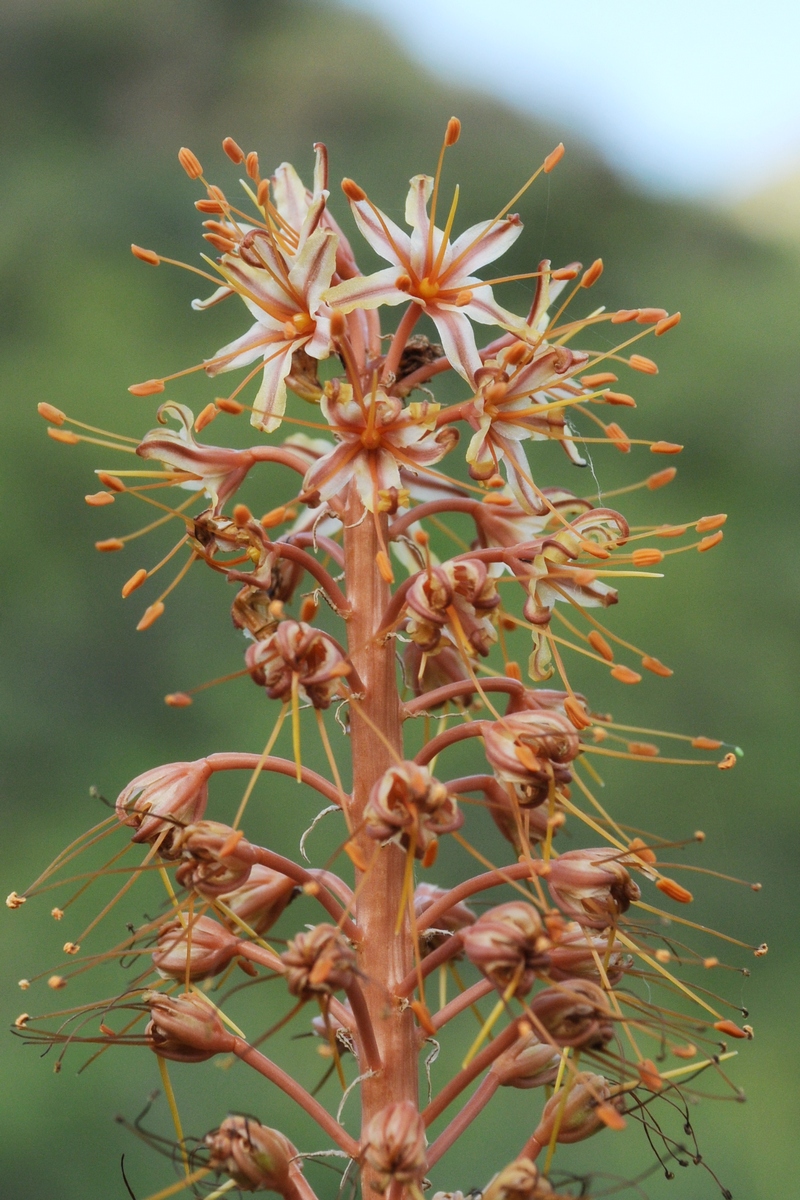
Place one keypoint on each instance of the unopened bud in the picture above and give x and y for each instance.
(529, 1063)
(256, 1157)
(394, 1146)
(185, 1028)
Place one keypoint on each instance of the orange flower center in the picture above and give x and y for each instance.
(428, 289)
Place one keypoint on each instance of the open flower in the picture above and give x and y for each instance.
(377, 436)
(430, 270)
(450, 606)
(217, 469)
(407, 803)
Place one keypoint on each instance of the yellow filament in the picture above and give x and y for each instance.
(173, 1108)
(260, 766)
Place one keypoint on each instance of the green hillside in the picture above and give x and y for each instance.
(95, 99)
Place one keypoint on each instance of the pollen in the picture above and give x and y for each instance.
(148, 256)
(190, 163)
(178, 700)
(645, 365)
(98, 499)
(713, 539)
(109, 545)
(151, 615)
(625, 674)
(51, 413)
(63, 435)
(592, 273)
(553, 158)
(599, 643)
(136, 580)
(727, 762)
(674, 890)
(150, 387)
(661, 478)
(57, 913)
(665, 448)
(656, 666)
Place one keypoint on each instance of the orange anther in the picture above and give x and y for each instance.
(420, 1011)
(275, 517)
(619, 437)
(63, 435)
(56, 982)
(150, 387)
(625, 674)
(732, 1030)
(223, 244)
(241, 514)
(704, 743)
(337, 325)
(229, 406)
(251, 166)
(513, 671)
(706, 523)
(687, 1051)
(384, 566)
(553, 158)
(57, 913)
(599, 643)
(98, 499)
(234, 151)
(353, 192)
(148, 256)
(109, 545)
(610, 1117)
(209, 206)
(262, 194)
(178, 700)
(727, 762)
(648, 556)
(498, 499)
(50, 413)
(708, 963)
(495, 481)
(653, 664)
(592, 273)
(71, 947)
(674, 890)
(661, 478)
(582, 577)
(205, 417)
(136, 580)
(664, 956)
(151, 615)
(640, 363)
(311, 888)
(107, 1030)
(190, 163)
(670, 531)
(403, 283)
(667, 323)
(464, 298)
(431, 853)
(665, 448)
(648, 1073)
(592, 548)
(621, 398)
(640, 848)
(595, 381)
(577, 713)
(624, 315)
(564, 273)
(643, 749)
(308, 609)
(599, 734)
(648, 316)
(229, 845)
(453, 131)
(356, 855)
(713, 539)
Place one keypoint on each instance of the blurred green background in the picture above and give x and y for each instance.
(95, 99)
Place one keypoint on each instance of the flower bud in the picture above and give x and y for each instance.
(261, 899)
(185, 1028)
(394, 1145)
(253, 1155)
(297, 649)
(210, 865)
(577, 1117)
(506, 943)
(592, 886)
(572, 956)
(575, 1013)
(529, 1063)
(531, 749)
(163, 799)
(466, 589)
(456, 918)
(520, 1180)
(208, 945)
(318, 962)
(407, 803)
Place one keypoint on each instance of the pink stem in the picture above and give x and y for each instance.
(247, 852)
(451, 504)
(307, 538)
(299, 1187)
(442, 364)
(474, 1106)
(310, 564)
(532, 1148)
(281, 766)
(407, 323)
(464, 1078)
(479, 883)
(441, 954)
(278, 454)
(270, 1070)
(463, 1000)
(366, 1033)
(333, 883)
(462, 687)
(450, 736)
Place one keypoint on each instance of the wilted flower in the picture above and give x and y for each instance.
(577, 1117)
(508, 944)
(318, 962)
(163, 799)
(185, 1028)
(207, 867)
(394, 1145)
(529, 1063)
(530, 749)
(575, 1013)
(261, 899)
(253, 1155)
(208, 946)
(520, 1180)
(298, 650)
(424, 672)
(408, 803)
(591, 886)
(449, 605)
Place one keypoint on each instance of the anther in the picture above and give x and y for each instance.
(308, 609)
(674, 890)
(24, 984)
(624, 315)
(109, 545)
(205, 417)
(732, 1030)
(150, 387)
(353, 192)
(648, 1073)
(151, 615)
(592, 273)
(209, 206)
(148, 256)
(453, 132)
(708, 963)
(495, 481)
(63, 435)
(712, 540)
(727, 762)
(337, 325)
(625, 674)
(262, 195)
(22, 1020)
(190, 163)
(658, 668)
(384, 566)
(667, 323)
(648, 556)
(664, 956)
(51, 413)
(98, 499)
(621, 398)
(111, 481)
(241, 515)
(514, 671)
(229, 406)
(596, 551)
(640, 363)
(251, 166)
(665, 448)
(706, 523)
(13, 900)
(599, 643)
(759, 952)
(178, 700)
(56, 982)
(661, 478)
(704, 743)
(57, 913)
(564, 273)
(671, 531)
(595, 381)
(641, 849)
(464, 298)
(577, 713)
(223, 244)
(619, 437)
(553, 158)
(71, 947)
(136, 580)
(234, 152)
(649, 316)
(275, 516)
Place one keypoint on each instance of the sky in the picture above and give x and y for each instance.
(690, 97)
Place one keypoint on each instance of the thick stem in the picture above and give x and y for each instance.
(450, 736)
(385, 956)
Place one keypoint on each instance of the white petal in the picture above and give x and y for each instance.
(221, 293)
(386, 238)
(314, 267)
(241, 352)
(366, 291)
(482, 244)
(458, 340)
(289, 195)
(270, 402)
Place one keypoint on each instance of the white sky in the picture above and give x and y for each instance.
(689, 96)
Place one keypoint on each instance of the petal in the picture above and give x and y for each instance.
(290, 196)
(312, 218)
(313, 268)
(270, 402)
(221, 293)
(320, 168)
(331, 473)
(483, 243)
(241, 352)
(386, 238)
(484, 309)
(419, 194)
(366, 291)
(320, 344)
(519, 476)
(266, 287)
(458, 340)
